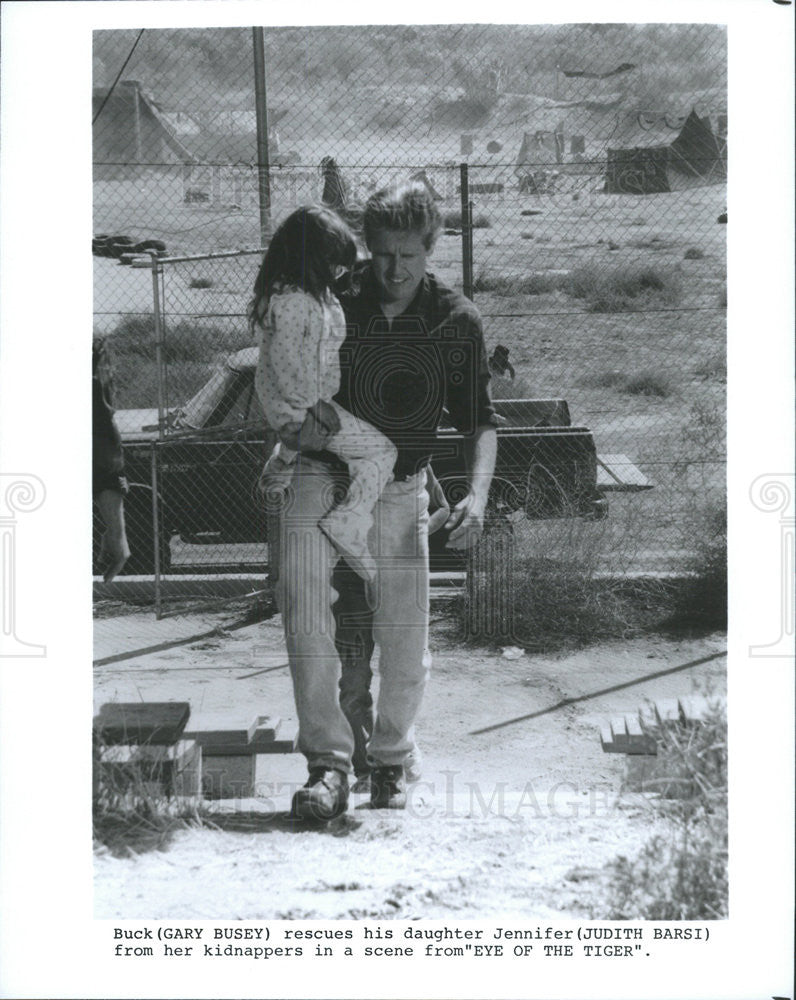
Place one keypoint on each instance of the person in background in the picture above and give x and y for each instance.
(109, 485)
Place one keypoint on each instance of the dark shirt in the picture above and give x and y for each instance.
(399, 375)
(108, 460)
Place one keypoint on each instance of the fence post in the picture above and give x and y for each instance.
(261, 112)
(157, 271)
(467, 233)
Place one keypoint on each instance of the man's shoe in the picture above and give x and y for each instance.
(324, 796)
(387, 787)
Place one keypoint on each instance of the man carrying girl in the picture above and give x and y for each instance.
(412, 347)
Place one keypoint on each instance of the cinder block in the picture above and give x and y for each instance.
(151, 770)
(186, 769)
(228, 776)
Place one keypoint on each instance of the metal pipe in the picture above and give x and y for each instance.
(469, 292)
(261, 112)
(159, 343)
(157, 270)
(467, 245)
(156, 529)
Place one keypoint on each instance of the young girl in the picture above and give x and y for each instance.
(301, 327)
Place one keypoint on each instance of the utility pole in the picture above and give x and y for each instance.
(261, 113)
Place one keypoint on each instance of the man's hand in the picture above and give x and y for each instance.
(466, 523)
(320, 424)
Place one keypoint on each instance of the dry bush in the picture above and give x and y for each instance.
(554, 592)
(643, 383)
(453, 219)
(681, 873)
(131, 814)
(648, 383)
(518, 284)
(624, 288)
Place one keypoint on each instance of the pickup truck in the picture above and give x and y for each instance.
(211, 450)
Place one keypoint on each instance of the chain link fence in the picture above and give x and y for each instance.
(580, 171)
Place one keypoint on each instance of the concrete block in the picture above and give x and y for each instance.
(228, 776)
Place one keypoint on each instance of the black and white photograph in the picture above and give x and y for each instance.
(443, 645)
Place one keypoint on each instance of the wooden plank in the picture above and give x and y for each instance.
(617, 473)
(619, 733)
(256, 738)
(607, 740)
(639, 741)
(158, 723)
(667, 711)
(696, 707)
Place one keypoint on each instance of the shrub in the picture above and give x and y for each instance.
(714, 367)
(518, 284)
(551, 594)
(624, 288)
(454, 220)
(648, 383)
(644, 383)
(605, 380)
(693, 253)
(681, 873)
(132, 814)
(701, 602)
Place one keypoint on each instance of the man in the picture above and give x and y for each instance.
(109, 485)
(413, 346)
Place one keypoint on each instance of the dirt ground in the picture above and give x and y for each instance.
(517, 820)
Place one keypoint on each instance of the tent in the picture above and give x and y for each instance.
(696, 151)
(130, 130)
(693, 157)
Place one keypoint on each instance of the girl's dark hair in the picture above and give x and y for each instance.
(305, 251)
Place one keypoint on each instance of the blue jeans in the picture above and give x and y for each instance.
(399, 604)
